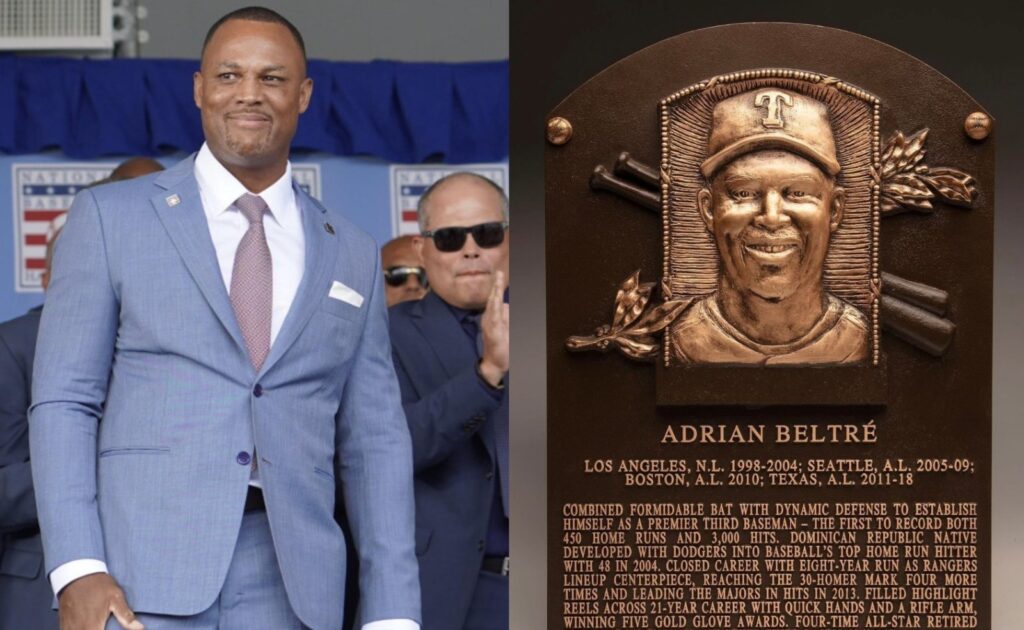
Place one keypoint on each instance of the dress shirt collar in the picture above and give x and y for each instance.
(221, 189)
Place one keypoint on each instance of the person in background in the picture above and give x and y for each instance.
(451, 352)
(25, 595)
(403, 270)
(134, 167)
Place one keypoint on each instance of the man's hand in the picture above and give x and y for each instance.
(494, 329)
(88, 602)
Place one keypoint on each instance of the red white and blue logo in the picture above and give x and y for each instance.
(42, 195)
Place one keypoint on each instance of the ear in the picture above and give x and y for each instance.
(197, 89)
(305, 93)
(838, 205)
(705, 208)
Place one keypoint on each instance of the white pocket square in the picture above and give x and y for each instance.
(341, 292)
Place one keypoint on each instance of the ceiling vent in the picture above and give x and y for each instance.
(56, 25)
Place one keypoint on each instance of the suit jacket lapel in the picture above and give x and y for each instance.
(444, 334)
(448, 340)
(321, 252)
(180, 209)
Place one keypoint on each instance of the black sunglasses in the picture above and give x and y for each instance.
(396, 276)
(451, 239)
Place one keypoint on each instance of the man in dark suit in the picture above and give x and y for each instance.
(451, 355)
(404, 276)
(25, 595)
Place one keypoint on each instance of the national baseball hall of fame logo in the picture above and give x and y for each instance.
(44, 192)
(42, 195)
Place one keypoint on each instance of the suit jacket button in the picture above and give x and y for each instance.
(480, 545)
(257, 391)
(468, 427)
(243, 458)
(489, 475)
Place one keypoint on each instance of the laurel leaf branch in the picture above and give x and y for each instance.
(634, 328)
(907, 184)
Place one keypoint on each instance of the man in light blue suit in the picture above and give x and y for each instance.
(213, 359)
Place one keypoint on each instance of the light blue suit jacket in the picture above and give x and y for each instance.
(144, 395)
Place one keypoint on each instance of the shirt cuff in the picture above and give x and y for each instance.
(392, 624)
(70, 571)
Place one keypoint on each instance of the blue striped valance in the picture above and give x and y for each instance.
(396, 111)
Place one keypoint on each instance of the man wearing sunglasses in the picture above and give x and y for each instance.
(404, 276)
(451, 356)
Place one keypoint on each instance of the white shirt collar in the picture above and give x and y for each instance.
(222, 189)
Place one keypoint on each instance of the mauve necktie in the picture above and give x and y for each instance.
(252, 281)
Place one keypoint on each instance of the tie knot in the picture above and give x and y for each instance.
(252, 207)
(471, 324)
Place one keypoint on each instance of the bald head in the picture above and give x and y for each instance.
(461, 177)
(398, 251)
(400, 258)
(135, 167)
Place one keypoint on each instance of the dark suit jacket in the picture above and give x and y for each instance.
(448, 408)
(25, 594)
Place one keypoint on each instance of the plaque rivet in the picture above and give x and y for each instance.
(559, 131)
(978, 125)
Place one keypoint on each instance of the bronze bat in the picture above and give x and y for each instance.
(626, 165)
(601, 179)
(920, 295)
(921, 328)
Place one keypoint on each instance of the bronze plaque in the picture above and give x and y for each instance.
(769, 335)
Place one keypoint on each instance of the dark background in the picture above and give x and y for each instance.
(556, 47)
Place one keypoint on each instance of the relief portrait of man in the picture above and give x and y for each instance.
(771, 202)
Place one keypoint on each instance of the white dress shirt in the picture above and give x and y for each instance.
(282, 224)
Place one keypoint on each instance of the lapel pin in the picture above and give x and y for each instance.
(329, 228)
(173, 200)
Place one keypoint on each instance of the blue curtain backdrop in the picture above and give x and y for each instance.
(396, 111)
